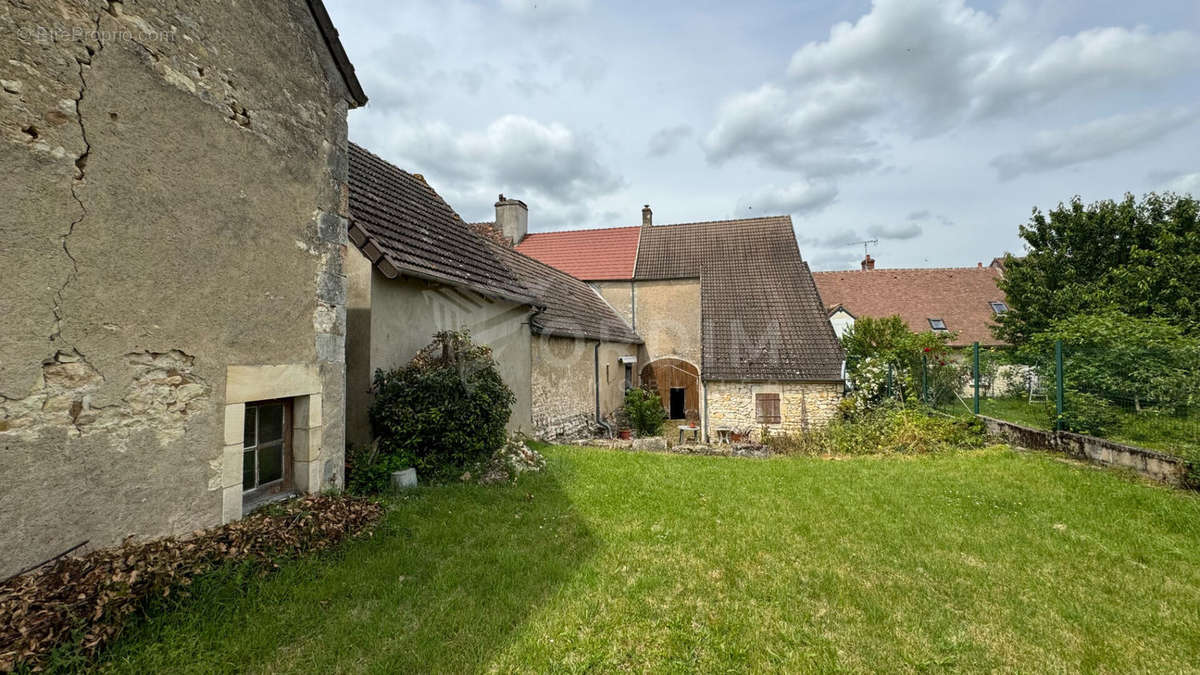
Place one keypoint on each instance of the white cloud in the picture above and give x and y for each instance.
(922, 67)
(668, 139)
(1090, 141)
(797, 198)
(1186, 183)
(816, 133)
(897, 232)
(514, 154)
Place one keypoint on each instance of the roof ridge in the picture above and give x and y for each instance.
(907, 269)
(583, 229)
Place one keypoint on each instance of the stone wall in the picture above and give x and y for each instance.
(619, 294)
(668, 318)
(563, 384)
(1155, 465)
(802, 405)
(173, 176)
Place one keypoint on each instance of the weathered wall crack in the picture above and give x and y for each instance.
(80, 173)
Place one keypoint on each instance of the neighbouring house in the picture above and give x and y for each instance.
(735, 334)
(419, 268)
(174, 180)
(960, 300)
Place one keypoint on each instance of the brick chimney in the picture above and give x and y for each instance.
(868, 263)
(647, 216)
(512, 219)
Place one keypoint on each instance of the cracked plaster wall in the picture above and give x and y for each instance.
(173, 175)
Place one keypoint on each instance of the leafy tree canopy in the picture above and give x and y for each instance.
(1140, 257)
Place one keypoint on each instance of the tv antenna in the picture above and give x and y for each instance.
(865, 244)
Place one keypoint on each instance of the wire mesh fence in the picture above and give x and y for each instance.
(1134, 395)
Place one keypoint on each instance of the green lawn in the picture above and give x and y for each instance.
(1178, 436)
(628, 561)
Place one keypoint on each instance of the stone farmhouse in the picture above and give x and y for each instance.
(202, 274)
(174, 182)
(419, 269)
(735, 335)
(960, 300)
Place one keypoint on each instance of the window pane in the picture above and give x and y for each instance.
(247, 470)
(270, 423)
(270, 463)
(249, 426)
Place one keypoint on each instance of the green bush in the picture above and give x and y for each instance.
(368, 471)
(1085, 413)
(884, 430)
(442, 413)
(645, 411)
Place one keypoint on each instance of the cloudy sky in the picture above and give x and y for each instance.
(934, 126)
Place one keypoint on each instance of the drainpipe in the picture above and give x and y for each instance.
(596, 373)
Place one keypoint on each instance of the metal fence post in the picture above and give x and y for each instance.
(976, 349)
(925, 379)
(1058, 385)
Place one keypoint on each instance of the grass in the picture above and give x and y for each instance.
(1179, 436)
(988, 560)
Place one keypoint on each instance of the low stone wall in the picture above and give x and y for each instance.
(1156, 465)
(659, 444)
(550, 428)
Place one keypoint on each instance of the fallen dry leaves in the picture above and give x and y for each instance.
(87, 599)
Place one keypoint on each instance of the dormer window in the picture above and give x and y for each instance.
(938, 325)
(998, 307)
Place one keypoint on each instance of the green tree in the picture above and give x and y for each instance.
(1123, 358)
(1142, 257)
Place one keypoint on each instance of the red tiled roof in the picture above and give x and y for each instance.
(592, 255)
(957, 295)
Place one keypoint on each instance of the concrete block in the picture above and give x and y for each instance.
(261, 383)
(235, 420)
(655, 443)
(231, 466)
(307, 412)
(231, 504)
(402, 480)
(307, 476)
(306, 444)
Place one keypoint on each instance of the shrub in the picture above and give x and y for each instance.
(645, 410)
(887, 429)
(447, 410)
(77, 605)
(1084, 413)
(369, 471)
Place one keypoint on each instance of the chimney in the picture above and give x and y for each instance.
(647, 216)
(868, 263)
(512, 219)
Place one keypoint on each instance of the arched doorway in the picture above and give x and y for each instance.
(678, 385)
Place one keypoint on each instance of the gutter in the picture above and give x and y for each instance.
(596, 364)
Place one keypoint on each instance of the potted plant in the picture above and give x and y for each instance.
(621, 417)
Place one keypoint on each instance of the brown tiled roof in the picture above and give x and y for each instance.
(679, 251)
(959, 296)
(570, 308)
(761, 316)
(603, 254)
(405, 227)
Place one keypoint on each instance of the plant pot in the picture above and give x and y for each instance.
(625, 434)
